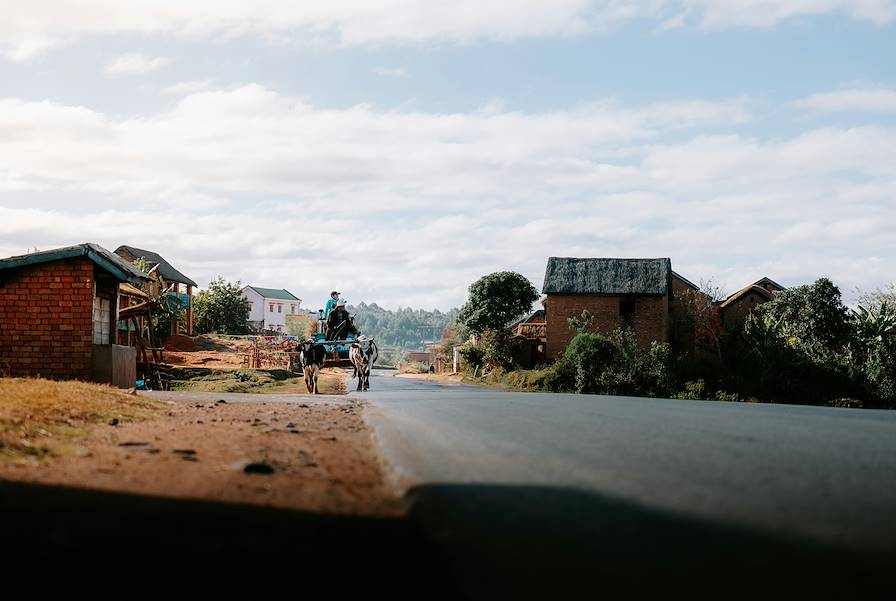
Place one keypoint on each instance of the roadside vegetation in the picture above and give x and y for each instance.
(804, 347)
(42, 418)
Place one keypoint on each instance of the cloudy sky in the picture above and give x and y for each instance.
(398, 149)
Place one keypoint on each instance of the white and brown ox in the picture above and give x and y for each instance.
(363, 355)
(312, 356)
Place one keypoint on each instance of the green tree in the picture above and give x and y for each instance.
(495, 300)
(222, 308)
(813, 318)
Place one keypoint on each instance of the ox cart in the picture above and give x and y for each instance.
(338, 350)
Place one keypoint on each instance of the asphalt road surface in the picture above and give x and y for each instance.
(545, 489)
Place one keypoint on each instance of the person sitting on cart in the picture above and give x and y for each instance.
(331, 304)
(339, 323)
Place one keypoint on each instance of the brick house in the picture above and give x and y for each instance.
(734, 309)
(164, 275)
(529, 332)
(58, 315)
(636, 293)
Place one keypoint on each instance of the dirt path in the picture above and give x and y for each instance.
(315, 456)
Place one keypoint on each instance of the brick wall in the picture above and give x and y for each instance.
(651, 319)
(46, 320)
(682, 333)
(735, 314)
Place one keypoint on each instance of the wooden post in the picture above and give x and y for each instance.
(174, 325)
(189, 310)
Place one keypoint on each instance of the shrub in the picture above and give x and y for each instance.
(497, 349)
(721, 395)
(473, 356)
(694, 390)
(582, 363)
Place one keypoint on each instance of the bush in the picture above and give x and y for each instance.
(694, 390)
(580, 367)
(721, 395)
(473, 356)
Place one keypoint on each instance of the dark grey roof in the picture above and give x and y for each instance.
(607, 276)
(166, 270)
(768, 280)
(121, 269)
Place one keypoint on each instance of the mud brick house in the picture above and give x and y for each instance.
(163, 275)
(529, 332)
(637, 293)
(734, 309)
(58, 315)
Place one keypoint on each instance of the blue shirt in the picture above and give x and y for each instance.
(331, 304)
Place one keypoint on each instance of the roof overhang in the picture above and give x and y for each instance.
(122, 271)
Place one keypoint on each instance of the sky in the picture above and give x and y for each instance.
(397, 150)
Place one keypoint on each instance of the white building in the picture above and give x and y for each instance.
(268, 307)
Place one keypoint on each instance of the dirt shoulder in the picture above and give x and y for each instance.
(314, 456)
(441, 378)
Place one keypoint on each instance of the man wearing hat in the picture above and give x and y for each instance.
(339, 323)
(331, 304)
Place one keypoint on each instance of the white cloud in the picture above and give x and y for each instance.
(31, 27)
(189, 87)
(266, 188)
(135, 64)
(871, 100)
(398, 72)
(719, 14)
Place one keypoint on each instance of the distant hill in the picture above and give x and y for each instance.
(407, 328)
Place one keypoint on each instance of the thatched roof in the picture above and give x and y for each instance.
(607, 276)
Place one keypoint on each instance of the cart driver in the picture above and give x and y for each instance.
(331, 304)
(339, 323)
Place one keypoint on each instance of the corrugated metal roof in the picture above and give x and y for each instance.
(566, 275)
(118, 267)
(166, 270)
(278, 293)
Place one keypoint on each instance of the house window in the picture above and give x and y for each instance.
(292, 309)
(102, 320)
(279, 308)
(272, 307)
(627, 308)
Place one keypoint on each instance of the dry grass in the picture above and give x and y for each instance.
(43, 418)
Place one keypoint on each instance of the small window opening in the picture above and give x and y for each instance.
(627, 308)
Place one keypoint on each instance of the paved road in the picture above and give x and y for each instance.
(799, 485)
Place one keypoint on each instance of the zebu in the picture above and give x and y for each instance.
(312, 356)
(363, 355)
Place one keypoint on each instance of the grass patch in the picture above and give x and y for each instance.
(524, 380)
(256, 381)
(44, 418)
